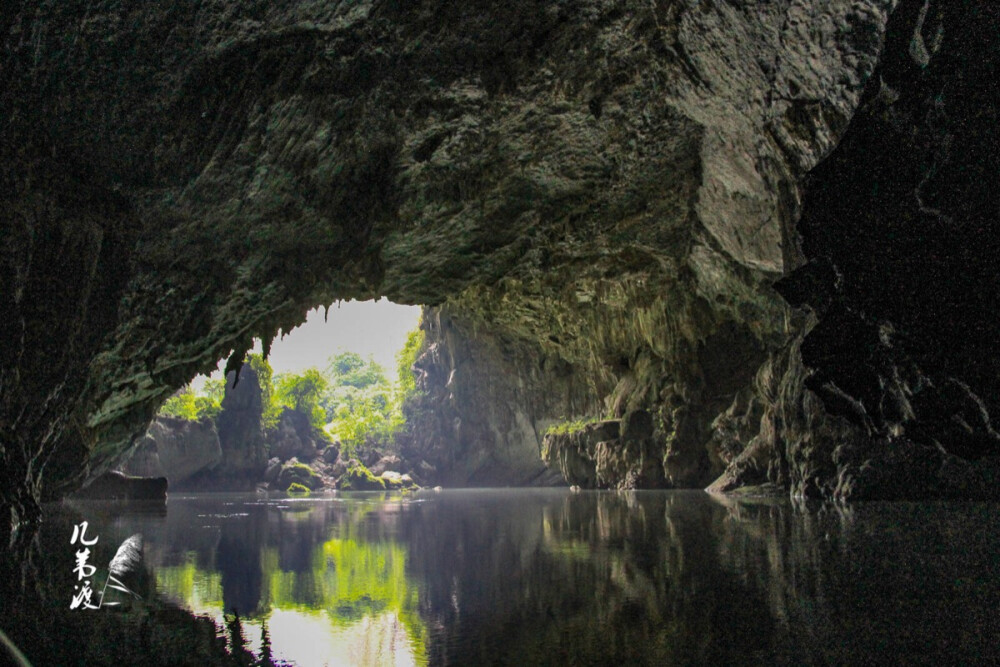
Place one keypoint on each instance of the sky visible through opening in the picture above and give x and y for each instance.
(375, 329)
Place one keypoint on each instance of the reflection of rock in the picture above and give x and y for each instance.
(119, 486)
(175, 449)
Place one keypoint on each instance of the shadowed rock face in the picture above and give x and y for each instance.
(608, 188)
(900, 225)
(173, 448)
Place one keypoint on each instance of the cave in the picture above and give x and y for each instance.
(742, 247)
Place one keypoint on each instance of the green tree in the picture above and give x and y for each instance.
(348, 369)
(187, 404)
(265, 376)
(405, 359)
(302, 392)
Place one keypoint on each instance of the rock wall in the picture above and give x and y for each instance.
(609, 188)
(879, 382)
(900, 226)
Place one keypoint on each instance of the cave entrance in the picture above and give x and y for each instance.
(329, 391)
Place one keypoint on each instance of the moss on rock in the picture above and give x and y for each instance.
(360, 478)
(299, 473)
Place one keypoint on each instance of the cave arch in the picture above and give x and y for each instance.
(196, 176)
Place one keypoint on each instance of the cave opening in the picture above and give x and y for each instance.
(661, 250)
(327, 396)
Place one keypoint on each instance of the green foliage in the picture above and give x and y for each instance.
(265, 375)
(571, 426)
(405, 360)
(348, 369)
(186, 404)
(360, 478)
(296, 489)
(362, 407)
(299, 473)
(302, 392)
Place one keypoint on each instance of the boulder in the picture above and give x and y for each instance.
(272, 470)
(174, 448)
(360, 478)
(294, 472)
(295, 437)
(385, 463)
(115, 485)
(332, 453)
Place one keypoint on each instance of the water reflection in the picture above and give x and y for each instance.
(326, 579)
(551, 577)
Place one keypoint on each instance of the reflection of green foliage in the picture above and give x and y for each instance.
(186, 404)
(347, 577)
(296, 489)
(197, 588)
(350, 579)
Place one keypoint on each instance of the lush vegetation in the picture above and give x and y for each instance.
(571, 426)
(187, 404)
(302, 392)
(351, 399)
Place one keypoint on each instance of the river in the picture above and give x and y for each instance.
(519, 577)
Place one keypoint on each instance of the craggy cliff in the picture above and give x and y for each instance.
(597, 198)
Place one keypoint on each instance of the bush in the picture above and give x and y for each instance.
(271, 411)
(186, 404)
(571, 426)
(302, 392)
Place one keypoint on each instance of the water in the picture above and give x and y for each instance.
(523, 577)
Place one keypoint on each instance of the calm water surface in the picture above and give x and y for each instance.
(526, 577)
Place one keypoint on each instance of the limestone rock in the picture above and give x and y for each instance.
(384, 464)
(115, 485)
(294, 437)
(294, 472)
(174, 448)
(241, 437)
(359, 478)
